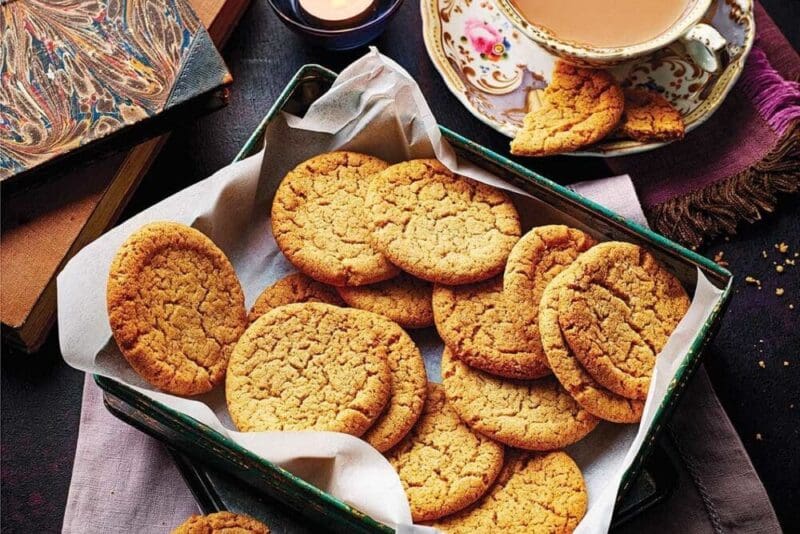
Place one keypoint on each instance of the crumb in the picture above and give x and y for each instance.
(727, 238)
(762, 364)
(758, 436)
(760, 340)
(751, 280)
(779, 268)
(718, 259)
(783, 248)
(764, 253)
(787, 261)
(791, 306)
(791, 406)
(779, 291)
(785, 363)
(796, 254)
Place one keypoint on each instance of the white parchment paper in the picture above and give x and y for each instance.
(374, 107)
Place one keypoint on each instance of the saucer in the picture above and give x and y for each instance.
(497, 73)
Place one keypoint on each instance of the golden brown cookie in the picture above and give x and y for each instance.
(541, 493)
(537, 415)
(618, 307)
(409, 388)
(439, 226)
(442, 464)
(648, 116)
(221, 523)
(319, 221)
(310, 366)
(403, 299)
(295, 287)
(487, 330)
(581, 106)
(536, 259)
(594, 398)
(175, 307)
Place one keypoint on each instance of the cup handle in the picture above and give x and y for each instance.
(703, 42)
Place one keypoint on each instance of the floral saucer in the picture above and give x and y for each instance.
(498, 74)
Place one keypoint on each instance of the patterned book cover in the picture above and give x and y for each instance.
(76, 72)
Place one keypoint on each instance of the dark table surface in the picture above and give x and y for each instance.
(41, 396)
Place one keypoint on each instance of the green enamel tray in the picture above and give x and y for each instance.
(203, 444)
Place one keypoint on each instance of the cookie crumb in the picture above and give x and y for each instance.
(779, 268)
(785, 363)
(791, 306)
(753, 281)
(758, 436)
(762, 364)
(787, 261)
(763, 253)
(779, 291)
(718, 259)
(783, 248)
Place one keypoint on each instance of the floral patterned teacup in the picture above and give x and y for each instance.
(701, 40)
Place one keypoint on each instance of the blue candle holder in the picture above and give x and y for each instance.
(340, 38)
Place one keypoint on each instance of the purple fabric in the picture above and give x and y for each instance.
(748, 125)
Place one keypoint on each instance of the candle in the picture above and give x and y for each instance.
(332, 14)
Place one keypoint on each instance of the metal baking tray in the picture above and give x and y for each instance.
(216, 452)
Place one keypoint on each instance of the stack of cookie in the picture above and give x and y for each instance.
(581, 106)
(408, 246)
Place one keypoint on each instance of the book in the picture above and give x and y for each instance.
(75, 77)
(45, 225)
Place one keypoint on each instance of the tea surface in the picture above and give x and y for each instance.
(603, 23)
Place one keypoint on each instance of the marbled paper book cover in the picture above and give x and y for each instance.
(77, 72)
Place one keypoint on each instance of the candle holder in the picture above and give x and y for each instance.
(339, 35)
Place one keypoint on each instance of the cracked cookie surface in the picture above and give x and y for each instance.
(618, 307)
(648, 116)
(529, 414)
(536, 259)
(439, 226)
(409, 387)
(486, 330)
(542, 493)
(581, 106)
(309, 366)
(221, 523)
(404, 299)
(175, 307)
(295, 287)
(319, 221)
(442, 464)
(597, 400)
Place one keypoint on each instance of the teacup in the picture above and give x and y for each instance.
(701, 40)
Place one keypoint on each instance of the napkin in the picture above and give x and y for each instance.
(733, 168)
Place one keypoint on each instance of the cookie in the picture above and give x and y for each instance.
(403, 299)
(648, 116)
(581, 106)
(221, 523)
(295, 287)
(618, 307)
(439, 226)
(319, 222)
(594, 398)
(443, 465)
(536, 259)
(536, 415)
(488, 331)
(309, 366)
(542, 493)
(175, 307)
(409, 388)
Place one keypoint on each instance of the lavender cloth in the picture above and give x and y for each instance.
(729, 169)
(124, 481)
